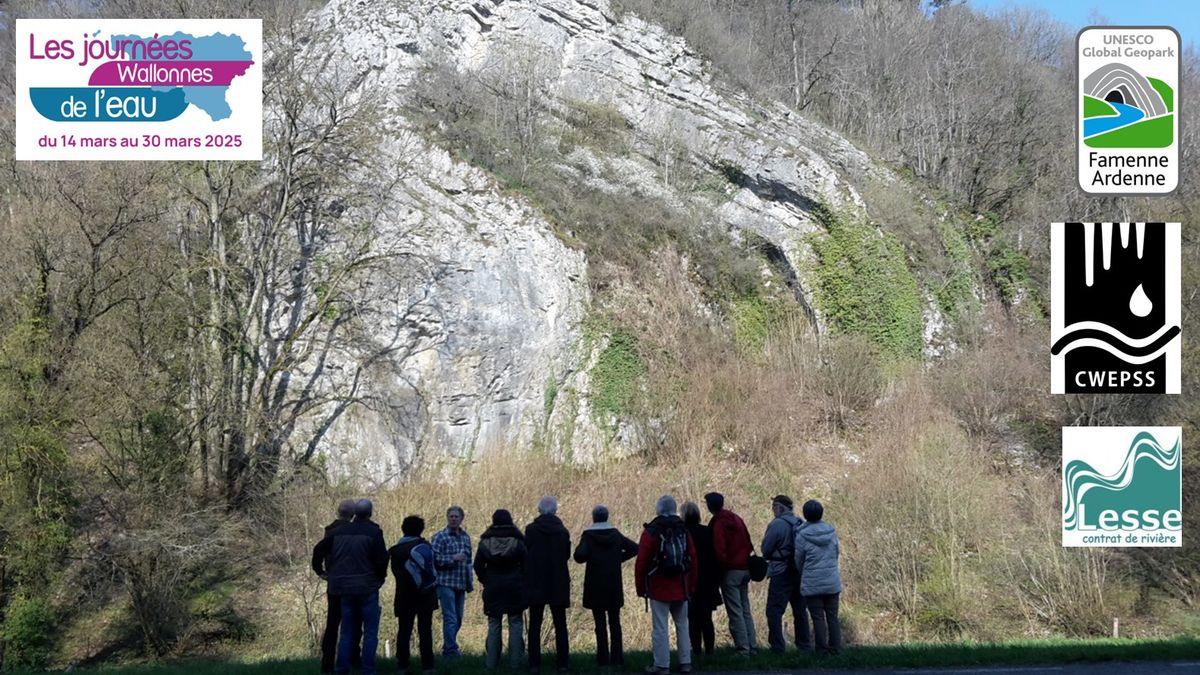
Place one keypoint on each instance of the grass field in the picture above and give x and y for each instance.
(1039, 652)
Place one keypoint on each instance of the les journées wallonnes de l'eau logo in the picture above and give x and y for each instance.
(139, 89)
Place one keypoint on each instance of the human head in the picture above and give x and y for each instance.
(600, 514)
(813, 511)
(547, 505)
(501, 517)
(345, 509)
(454, 517)
(691, 513)
(665, 506)
(715, 501)
(363, 509)
(781, 504)
(413, 526)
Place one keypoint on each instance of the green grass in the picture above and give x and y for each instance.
(1164, 90)
(1094, 107)
(1032, 652)
(1156, 132)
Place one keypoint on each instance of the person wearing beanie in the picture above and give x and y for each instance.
(783, 586)
(548, 582)
(500, 568)
(731, 541)
(817, 553)
(603, 548)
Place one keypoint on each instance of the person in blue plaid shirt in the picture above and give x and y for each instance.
(452, 558)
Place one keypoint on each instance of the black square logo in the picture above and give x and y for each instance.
(1115, 308)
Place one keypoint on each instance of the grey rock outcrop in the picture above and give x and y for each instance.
(506, 321)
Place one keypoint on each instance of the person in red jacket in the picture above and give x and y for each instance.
(731, 539)
(665, 573)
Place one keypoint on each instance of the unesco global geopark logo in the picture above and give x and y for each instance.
(107, 89)
(1129, 102)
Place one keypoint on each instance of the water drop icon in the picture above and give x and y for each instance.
(1139, 304)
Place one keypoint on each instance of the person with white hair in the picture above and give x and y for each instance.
(358, 563)
(548, 582)
(333, 603)
(665, 574)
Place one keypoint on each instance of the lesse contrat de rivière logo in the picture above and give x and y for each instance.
(1122, 486)
(1115, 308)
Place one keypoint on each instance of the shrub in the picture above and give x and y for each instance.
(864, 286)
(29, 630)
(616, 376)
(850, 377)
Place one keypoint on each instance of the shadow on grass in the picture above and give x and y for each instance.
(1040, 652)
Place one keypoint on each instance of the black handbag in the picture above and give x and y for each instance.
(758, 567)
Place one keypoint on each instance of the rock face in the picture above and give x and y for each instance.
(506, 321)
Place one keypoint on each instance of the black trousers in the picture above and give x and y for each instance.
(562, 644)
(827, 630)
(608, 632)
(701, 629)
(405, 617)
(329, 641)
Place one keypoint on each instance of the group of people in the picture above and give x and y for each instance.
(684, 569)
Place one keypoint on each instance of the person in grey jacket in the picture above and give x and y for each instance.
(783, 587)
(820, 581)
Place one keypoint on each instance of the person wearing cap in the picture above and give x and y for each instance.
(500, 568)
(333, 604)
(603, 549)
(358, 563)
(731, 540)
(548, 582)
(783, 586)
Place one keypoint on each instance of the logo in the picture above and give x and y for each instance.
(1114, 308)
(1122, 486)
(1128, 98)
(108, 89)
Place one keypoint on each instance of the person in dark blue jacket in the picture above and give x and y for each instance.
(357, 567)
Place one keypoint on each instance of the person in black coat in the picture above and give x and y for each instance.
(548, 582)
(333, 604)
(708, 582)
(603, 548)
(357, 567)
(500, 568)
(416, 592)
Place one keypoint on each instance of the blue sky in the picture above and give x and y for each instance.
(1184, 15)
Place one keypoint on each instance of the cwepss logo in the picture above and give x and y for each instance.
(139, 89)
(1115, 311)
(1128, 103)
(1122, 486)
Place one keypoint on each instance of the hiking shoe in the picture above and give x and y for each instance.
(654, 670)
(685, 668)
